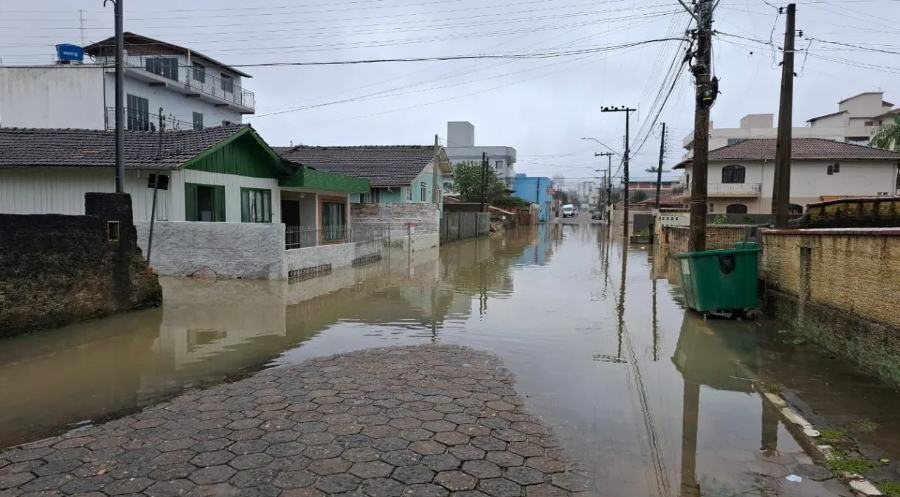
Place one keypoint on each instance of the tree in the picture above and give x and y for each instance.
(888, 137)
(467, 181)
(638, 196)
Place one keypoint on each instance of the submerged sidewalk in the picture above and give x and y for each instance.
(412, 421)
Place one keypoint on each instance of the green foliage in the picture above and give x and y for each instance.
(467, 181)
(834, 436)
(718, 219)
(639, 196)
(888, 137)
(840, 462)
(891, 488)
(864, 426)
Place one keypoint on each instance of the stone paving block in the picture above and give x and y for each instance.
(343, 425)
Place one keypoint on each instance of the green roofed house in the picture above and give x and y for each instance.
(225, 200)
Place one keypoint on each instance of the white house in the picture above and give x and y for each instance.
(194, 91)
(855, 121)
(741, 176)
(222, 196)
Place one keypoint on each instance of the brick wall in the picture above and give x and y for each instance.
(853, 271)
(57, 269)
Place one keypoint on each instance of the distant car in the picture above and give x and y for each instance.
(568, 210)
(597, 214)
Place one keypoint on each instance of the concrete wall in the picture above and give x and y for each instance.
(421, 215)
(56, 269)
(57, 96)
(234, 250)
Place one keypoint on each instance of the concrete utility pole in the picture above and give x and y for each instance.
(609, 156)
(627, 111)
(484, 169)
(659, 170)
(120, 96)
(707, 89)
(781, 197)
(435, 165)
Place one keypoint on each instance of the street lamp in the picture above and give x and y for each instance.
(601, 143)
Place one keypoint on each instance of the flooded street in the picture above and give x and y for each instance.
(649, 398)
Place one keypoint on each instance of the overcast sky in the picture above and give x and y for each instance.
(542, 107)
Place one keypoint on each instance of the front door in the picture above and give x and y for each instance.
(290, 212)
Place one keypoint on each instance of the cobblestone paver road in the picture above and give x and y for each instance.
(414, 421)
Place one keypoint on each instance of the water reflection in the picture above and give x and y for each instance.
(583, 322)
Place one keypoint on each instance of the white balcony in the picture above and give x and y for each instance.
(733, 189)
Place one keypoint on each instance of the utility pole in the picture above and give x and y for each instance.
(120, 97)
(435, 177)
(707, 89)
(484, 166)
(609, 156)
(627, 111)
(781, 197)
(659, 170)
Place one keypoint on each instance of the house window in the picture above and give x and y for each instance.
(423, 192)
(837, 167)
(166, 67)
(830, 169)
(712, 207)
(226, 123)
(409, 193)
(334, 221)
(736, 209)
(256, 205)
(498, 164)
(372, 197)
(204, 203)
(733, 174)
(138, 113)
(163, 183)
(869, 123)
(227, 83)
(198, 121)
(199, 72)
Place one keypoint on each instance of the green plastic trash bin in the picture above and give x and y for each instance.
(720, 280)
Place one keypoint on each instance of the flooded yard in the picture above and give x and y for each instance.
(649, 398)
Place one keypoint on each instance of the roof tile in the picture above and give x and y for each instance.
(383, 166)
(801, 149)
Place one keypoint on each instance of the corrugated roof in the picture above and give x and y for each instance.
(48, 147)
(384, 166)
(136, 39)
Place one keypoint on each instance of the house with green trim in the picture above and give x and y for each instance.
(396, 173)
(213, 189)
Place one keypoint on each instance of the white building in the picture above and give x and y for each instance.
(461, 149)
(856, 120)
(194, 91)
(741, 176)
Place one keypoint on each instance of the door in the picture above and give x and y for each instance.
(290, 212)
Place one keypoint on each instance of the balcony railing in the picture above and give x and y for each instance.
(211, 85)
(733, 189)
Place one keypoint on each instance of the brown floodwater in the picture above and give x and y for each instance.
(648, 398)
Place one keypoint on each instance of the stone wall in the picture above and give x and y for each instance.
(57, 269)
(839, 287)
(232, 250)
(420, 215)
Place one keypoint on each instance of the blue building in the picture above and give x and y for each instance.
(535, 190)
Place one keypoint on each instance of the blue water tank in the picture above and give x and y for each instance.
(66, 52)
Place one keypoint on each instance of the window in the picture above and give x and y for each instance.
(227, 83)
(138, 113)
(226, 123)
(334, 221)
(830, 169)
(256, 205)
(869, 123)
(733, 174)
(423, 192)
(498, 164)
(372, 197)
(199, 72)
(837, 167)
(166, 67)
(712, 207)
(204, 203)
(409, 193)
(736, 209)
(163, 182)
(198, 121)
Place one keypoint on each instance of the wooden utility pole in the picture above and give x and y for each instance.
(707, 89)
(484, 170)
(781, 197)
(625, 157)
